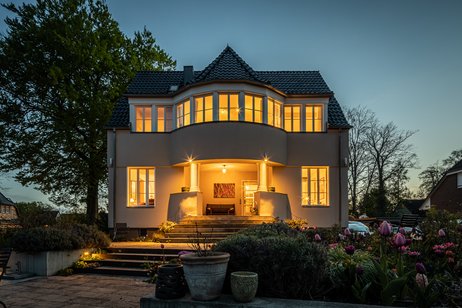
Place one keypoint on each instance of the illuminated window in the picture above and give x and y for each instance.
(141, 187)
(183, 114)
(253, 108)
(274, 112)
(164, 118)
(313, 118)
(292, 118)
(143, 119)
(459, 180)
(228, 107)
(204, 108)
(315, 186)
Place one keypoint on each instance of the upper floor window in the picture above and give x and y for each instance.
(313, 118)
(253, 108)
(274, 112)
(315, 185)
(292, 118)
(228, 107)
(183, 114)
(459, 180)
(141, 187)
(164, 118)
(143, 119)
(204, 108)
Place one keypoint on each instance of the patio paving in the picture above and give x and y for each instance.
(81, 290)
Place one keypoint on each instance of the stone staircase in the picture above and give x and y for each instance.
(131, 259)
(212, 229)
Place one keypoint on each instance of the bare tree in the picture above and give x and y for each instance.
(388, 146)
(361, 164)
(430, 178)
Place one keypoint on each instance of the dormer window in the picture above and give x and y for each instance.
(292, 118)
(143, 119)
(228, 107)
(314, 122)
(183, 114)
(204, 108)
(253, 108)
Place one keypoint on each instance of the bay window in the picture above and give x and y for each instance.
(164, 118)
(292, 118)
(253, 108)
(315, 185)
(183, 114)
(141, 187)
(204, 108)
(228, 107)
(274, 112)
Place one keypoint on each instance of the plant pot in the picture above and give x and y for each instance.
(205, 275)
(170, 282)
(244, 286)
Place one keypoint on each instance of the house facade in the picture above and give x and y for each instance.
(447, 194)
(227, 140)
(8, 213)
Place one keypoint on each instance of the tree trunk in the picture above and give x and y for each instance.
(92, 195)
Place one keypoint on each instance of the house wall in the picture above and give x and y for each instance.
(227, 140)
(448, 196)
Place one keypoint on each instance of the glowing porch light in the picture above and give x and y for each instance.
(224, 169)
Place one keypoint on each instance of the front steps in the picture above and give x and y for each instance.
(130, 258)
(211, 228)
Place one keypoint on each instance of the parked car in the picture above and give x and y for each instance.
(358, 227)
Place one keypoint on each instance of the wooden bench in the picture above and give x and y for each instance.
(220, 209)
(5, 254)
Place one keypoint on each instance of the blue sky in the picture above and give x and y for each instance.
(400, 58)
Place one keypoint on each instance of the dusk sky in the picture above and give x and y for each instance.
(402, 59)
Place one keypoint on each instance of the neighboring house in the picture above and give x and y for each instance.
(8, 213)
(227, 140)
(447, 194)
(412, 206)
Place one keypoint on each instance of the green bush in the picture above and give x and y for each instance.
(271, 229)
(287, 266)
(52, 238)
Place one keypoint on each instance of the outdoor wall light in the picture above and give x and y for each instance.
(224, 169)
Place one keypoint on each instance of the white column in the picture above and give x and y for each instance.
(194, 183)
(262, 177)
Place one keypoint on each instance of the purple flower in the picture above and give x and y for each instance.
(385, 228)
(184, 252)
(346, 232)
(413, 253)
(317, 237)
(350, 249)
(399, 240)
(441, 233)
(402, 230)
(420, 268)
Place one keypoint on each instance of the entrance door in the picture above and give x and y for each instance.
(248, 190)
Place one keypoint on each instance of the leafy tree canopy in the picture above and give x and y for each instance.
(63, 65)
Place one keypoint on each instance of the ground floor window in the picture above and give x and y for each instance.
(141, 187)
(315, 184)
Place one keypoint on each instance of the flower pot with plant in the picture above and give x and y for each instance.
(204, 270)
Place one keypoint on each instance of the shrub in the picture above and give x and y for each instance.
(270, 229)
(52, 238)
(167, 226)
(287, 266)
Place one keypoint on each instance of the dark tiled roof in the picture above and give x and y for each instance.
(228, 66)
(456, 167)
(4, 200)
(120, 114)
(336, 118)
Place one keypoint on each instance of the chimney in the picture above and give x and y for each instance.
(188, 74)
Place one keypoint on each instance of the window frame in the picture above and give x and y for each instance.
(274, 115)
(459, 179)
(292, 120)
(228, 103)
(147, 193)
(306, 190)
(313, 120)
(253, 110)
(203, 111)
(183, 117)
(167, 121)
(144, 120)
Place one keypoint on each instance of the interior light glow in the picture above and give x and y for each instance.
(224, 169)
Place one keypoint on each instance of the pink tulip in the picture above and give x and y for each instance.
(385, 228)
(317, 237)
(350, 249)
(399, 240)
(346, 232)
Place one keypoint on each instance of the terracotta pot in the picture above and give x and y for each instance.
(244, 286)
(205, 275)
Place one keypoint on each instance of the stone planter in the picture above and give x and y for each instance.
(244, 286)
(170, 281)
(205, 275)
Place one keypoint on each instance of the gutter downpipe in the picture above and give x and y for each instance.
(114, 175)
(339, 177)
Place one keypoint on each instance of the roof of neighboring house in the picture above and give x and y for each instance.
(4, 200)
(228, 66)
(413, 205)
(456, 167)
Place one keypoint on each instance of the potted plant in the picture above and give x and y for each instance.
(244, 286)
(204, 270)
